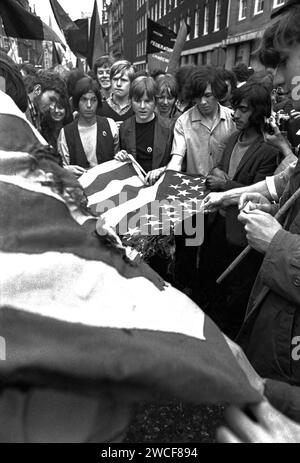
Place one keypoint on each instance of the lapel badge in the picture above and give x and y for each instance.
(149, 149)
(104, 133)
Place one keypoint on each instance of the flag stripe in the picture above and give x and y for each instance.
(114, 188)
(39, 284)
(127, 193)
(141, 363)
(28, 184)
(145, 196)
(90, 181)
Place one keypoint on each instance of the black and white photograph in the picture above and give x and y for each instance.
(149, 225)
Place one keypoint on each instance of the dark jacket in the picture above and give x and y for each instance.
(105, 143)
(259, 161)
(271, 330)
(163, 138)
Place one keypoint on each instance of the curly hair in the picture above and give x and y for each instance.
(230, 76)
(279, 37)
(199, 79)
(259, 99)
(83, 86)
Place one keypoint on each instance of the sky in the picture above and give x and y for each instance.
(72, 7)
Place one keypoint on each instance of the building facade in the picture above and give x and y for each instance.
(247, 21)
(222, 32)
(207, 19)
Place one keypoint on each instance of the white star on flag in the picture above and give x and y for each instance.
(133, 231)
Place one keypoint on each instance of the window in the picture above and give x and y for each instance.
(156, 12)
(259, 6)
(188, 21)
(175, 26)
(242, 9)
(217, 15)
(206, 20)
(196, 25)
(159, 10)
(277, 3)
(175, 4)
(165, 7)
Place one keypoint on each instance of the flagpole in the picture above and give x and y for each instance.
(147, 15)
(178, 47)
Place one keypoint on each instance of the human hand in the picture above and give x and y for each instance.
(260, 228)
(76, 170)
(270, 426)
(216, 172)
(253, 377)
(154, 175)
(277, 139)
(215, 183)
(212, 202)
(257, 201)
(122, 156)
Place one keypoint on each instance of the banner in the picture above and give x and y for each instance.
(96, 38)
(22, 24)
(160, 44)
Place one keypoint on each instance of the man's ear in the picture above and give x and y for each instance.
(37, 90)
(2, 84)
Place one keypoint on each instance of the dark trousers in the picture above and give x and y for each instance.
(226, 303)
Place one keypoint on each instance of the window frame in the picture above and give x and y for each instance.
(241, 7)
(217, 22)
(258, 3)
(206, 19)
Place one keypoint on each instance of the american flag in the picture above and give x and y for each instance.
(116, 191)
(78, 317)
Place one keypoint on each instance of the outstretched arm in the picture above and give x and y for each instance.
(215, 201)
